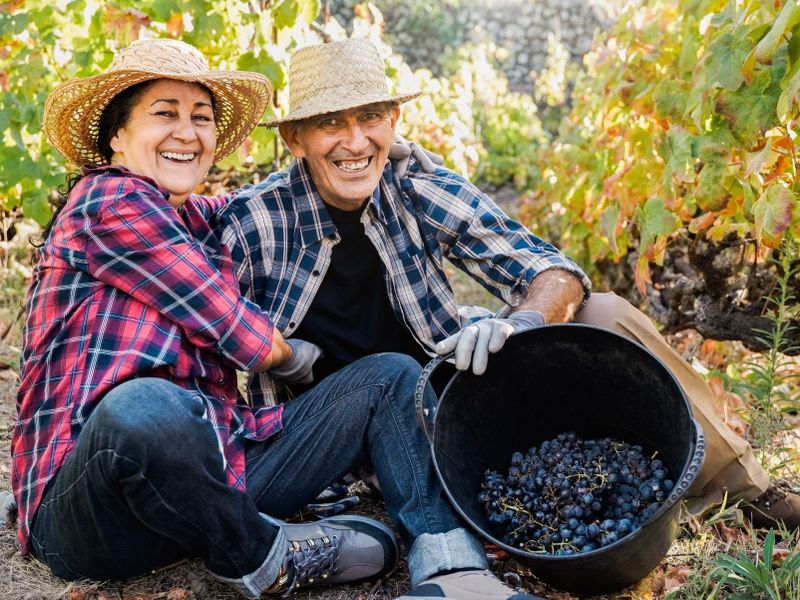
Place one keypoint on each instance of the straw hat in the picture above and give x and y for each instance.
(72, 111)
(336, 76)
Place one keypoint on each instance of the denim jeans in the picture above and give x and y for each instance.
(144, 485)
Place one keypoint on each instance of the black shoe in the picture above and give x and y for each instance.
(341, 549)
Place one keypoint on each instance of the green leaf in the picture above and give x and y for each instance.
(164, 9)
(285, 13)
(773, 213)
(677, 151)
(43, 18)
(751, 110)
(710, 192)
(656, 220)
(13, 24)
(794, 46)
(209, 26)
(670, 98)
(787, 19)
(726, 55)
(608, 226)
(690, 45)
(36, 206)
(790, 86)
(309, 9)
(263, 64)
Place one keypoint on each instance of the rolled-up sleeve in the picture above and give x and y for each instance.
(503, 253)
(138, 245)
(478, 237)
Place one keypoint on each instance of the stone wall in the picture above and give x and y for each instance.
(422, 32)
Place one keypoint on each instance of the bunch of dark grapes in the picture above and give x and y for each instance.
(569, 495)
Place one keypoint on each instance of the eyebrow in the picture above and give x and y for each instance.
(175, 101)
(358, 109)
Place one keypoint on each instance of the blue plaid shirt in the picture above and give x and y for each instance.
(281, 240)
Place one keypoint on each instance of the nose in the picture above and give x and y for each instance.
(184, 129)
(354, 139)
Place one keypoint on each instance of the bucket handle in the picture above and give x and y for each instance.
(426, 421)
(682, 486)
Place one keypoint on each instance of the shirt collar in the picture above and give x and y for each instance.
(88, 169)
(315, 223)
(314, 220)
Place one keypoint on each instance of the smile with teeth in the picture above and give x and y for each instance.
(352, 166)
(179, 156)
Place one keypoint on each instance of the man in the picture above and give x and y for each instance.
(348, 256)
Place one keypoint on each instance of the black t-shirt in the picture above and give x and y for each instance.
(351, 317)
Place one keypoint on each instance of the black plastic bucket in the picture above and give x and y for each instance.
(550, 380)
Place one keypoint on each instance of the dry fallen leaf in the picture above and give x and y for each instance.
(675, 577)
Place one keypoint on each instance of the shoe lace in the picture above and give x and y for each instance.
(312, 560)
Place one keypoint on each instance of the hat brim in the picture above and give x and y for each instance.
(72, 111)
(324, 108)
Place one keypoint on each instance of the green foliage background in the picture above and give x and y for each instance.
(43, 42)
(682, 120)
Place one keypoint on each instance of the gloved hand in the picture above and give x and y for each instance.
(297, 369)
(401, 151)
(474, 343)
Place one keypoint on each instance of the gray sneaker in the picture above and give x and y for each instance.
(466, 585)
(340, 549)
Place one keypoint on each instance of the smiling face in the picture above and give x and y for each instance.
(170, 137)
(345, 151)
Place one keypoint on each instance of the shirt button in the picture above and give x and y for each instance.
(315, 273)
(222, 381)
(291, 324)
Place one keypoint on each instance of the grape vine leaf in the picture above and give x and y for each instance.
(609, 219)
(670, 98)
(786, 20)
(773, 213)
(726, 55)
(655, 220)
(710, 193)
(750, 111)
(757, 160)
(677, 151)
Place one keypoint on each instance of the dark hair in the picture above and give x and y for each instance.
(113, 118)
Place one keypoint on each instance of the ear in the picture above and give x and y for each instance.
(115, 143)
(291, 136)
(395, 116)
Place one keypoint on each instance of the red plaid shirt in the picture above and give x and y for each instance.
(128, 286)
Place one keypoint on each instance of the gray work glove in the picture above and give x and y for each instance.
(401, 151)
(297, 369)
(474, 343)
(8, 508)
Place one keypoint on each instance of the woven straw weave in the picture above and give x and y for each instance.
(73, 109)
(337, 76)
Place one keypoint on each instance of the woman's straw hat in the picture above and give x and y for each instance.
(72, 111)
(336, 76)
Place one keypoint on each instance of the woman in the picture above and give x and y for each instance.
(132, 444)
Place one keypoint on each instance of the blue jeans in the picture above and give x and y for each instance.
(145, 487)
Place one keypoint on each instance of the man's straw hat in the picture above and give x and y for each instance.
(72, 111)
(336, 76)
